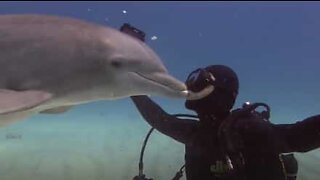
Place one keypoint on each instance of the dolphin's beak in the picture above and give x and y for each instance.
(164, 84)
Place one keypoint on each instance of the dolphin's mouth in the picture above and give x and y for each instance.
(178, 90)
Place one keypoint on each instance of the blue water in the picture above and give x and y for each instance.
(273, 47)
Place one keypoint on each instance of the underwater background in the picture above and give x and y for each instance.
(273, 47)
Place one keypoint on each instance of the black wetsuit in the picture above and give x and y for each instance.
(262, 143)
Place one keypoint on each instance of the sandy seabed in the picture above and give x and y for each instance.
(98, 149)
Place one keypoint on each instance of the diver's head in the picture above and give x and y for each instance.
(213, 90)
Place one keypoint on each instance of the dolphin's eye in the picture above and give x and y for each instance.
(116, 64)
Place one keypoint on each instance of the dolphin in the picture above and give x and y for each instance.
(49, 64)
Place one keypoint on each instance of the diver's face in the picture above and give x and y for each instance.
(207, 95)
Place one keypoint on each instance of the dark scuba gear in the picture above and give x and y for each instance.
(222, 98)
(229, 139)
(226, 87)
(228, 145)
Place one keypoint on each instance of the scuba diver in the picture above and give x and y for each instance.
(226, 144)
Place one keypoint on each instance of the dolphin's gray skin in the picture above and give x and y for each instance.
(50, 63)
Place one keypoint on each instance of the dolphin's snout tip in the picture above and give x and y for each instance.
(182, 94)
(185, 93)
(182, 90)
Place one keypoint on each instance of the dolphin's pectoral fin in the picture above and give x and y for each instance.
(57, 110)
(13, 101)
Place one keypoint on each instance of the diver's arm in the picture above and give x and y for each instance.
(178, 129)
(302, 136)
